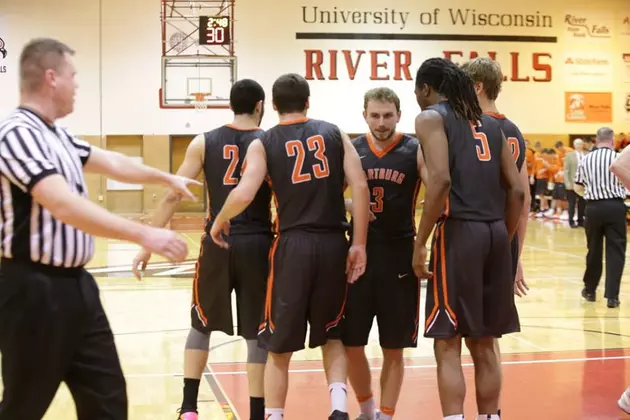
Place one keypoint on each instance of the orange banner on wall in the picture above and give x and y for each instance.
(588, 107)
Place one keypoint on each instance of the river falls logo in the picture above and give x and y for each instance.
(3, 50)
(583, 27)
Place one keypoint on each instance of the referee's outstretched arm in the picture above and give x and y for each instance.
(52, 193)
(621, 167)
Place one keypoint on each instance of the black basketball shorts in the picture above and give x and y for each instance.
(242, 268)
(307, 284)
(389, 290)
(472, 290)
(541, 186)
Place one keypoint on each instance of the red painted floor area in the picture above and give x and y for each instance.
(550, 386)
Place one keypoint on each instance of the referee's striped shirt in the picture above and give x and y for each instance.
(594, 174)
(30, 150)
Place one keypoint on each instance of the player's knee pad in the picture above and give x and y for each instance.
(197, 340)
(255, 354)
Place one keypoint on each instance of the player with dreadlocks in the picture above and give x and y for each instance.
(474, 199)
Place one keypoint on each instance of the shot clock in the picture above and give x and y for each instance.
(214, 30)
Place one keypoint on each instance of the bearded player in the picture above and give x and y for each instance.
(389, 289)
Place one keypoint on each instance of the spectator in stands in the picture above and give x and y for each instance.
(589, 144)
(530, 161)
(622, 142)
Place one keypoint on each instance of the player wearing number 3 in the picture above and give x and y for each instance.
(389, 289)
(474, 198)
(308, 162)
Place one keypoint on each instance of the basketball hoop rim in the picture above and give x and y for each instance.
(198, 102)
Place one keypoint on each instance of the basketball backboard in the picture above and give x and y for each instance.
(198, 57)
(183, 77)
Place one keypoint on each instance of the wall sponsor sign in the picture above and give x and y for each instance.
(591, 68)
(588, 107)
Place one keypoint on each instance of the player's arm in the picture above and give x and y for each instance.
(251, 180)
(430, 132)
(124, 169)
(522, 224)
(621, 167)
(190, 168)
(514, 189)
(357, 182)
(422, 166)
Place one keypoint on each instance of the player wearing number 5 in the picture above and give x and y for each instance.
(474, 198)
(389, 289)
(307, 162)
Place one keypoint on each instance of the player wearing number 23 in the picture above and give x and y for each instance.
(307, 162)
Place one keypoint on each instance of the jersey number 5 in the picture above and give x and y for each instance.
(295, 148)
(483, 148)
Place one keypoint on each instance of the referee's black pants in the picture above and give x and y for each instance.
(53, 329)
(605, 219)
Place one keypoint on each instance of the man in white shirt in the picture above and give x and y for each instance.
(571, 162)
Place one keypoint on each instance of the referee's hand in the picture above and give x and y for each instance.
(165, 242)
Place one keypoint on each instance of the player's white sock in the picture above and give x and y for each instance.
(488, 417)
(338, 397)
(274, 413)
(455, 417)
(383, 416)
(368, 406)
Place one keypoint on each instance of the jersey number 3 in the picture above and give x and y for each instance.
(295, 148)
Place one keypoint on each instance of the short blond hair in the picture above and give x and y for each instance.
(381, 94)
(37, 56)
(488, 72)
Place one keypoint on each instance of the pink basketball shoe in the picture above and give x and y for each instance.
(191, 415)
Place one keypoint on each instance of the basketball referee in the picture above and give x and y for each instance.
(605, 218)
(52, 324)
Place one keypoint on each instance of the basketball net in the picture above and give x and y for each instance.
(199, 101)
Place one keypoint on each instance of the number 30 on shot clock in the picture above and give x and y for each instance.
(214, 30)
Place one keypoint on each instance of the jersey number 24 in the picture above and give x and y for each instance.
(315, 145)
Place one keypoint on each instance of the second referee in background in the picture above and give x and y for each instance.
(605, 218)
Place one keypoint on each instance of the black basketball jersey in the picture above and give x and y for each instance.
(514, 137)
(305, 166)
(394, 182)
(474, 153)
(225, 150)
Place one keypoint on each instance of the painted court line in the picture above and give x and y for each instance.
(526, 342)
(431, 366)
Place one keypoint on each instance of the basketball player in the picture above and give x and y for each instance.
(471, 295)
(389, 288)
(307, 161)
(487, 77)
(219, 154)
